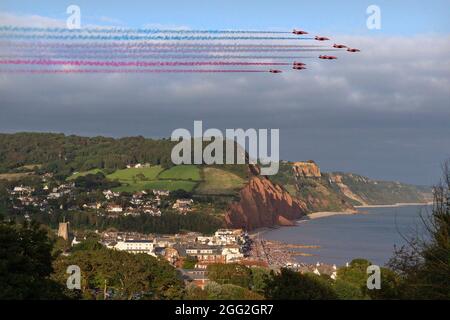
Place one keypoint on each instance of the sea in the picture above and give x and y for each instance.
(372, 234)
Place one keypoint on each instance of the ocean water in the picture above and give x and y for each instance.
(370, 235)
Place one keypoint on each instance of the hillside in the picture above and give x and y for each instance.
(365, 191)
(340, 191)
(234, 193)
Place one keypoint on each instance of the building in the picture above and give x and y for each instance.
(232, 253)
(206, 254)
(114, 208)
(198, 277)
(136, 246)
(183, 205)
(63, 230)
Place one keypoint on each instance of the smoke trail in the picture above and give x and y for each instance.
(151, 56)
(144, 37)
(142, 30)
(179, 50)
(149, 45)
(137, 63)
(88, 71)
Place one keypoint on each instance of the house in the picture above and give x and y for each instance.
(229, 236)
(94, 206)
(206, 254)
(136, 246)
(183, 205)
(114, 208)
(151, 210)
(161, 193)
(109, 194)
(21, 190)
(232, 253)
(54, 195)
(198, 277)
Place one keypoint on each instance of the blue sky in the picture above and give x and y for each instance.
(399, 17)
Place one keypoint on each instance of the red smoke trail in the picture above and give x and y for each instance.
(138, 63)
(48, 71)
(149, 56)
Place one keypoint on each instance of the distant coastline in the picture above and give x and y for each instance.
(401, 204)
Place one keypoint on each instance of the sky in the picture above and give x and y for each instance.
(383, 113)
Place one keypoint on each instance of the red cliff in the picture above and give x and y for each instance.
(264, 204)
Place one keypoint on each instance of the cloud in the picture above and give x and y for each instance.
(383, 112)
(162, 26)
(37, 21)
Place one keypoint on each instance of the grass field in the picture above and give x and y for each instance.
(170, 185)
(180, 177)
(187, 172)
(84, 173)
(133, 174)
(30, 166)
(186, 177)
(217, 181)
(13, 176)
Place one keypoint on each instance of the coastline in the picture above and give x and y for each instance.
(400, 204)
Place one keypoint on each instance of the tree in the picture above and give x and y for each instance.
(291, 285)
(215, 291)
(26, 263)
(351, 283)
(190, 262)
(260, 277)
(424, 263)
(111, 274)
(231, 273)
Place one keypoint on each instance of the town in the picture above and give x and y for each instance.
(189, 252)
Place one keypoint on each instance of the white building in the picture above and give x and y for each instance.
(136, 246)
(232, 253)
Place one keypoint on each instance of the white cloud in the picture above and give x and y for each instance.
(30, 21)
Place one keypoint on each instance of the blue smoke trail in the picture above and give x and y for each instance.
(130, 38)
(128, 30)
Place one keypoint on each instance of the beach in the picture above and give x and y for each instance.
(324, 214)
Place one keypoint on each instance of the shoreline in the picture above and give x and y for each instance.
(325, 214)
(400, 204)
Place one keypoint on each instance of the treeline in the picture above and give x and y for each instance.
(168, 223)
(63, 154)
(30, 269)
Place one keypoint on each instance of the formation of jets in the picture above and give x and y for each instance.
(302, 66)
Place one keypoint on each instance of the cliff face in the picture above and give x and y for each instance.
(264, 204)
(364, 191)
(308, 169)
